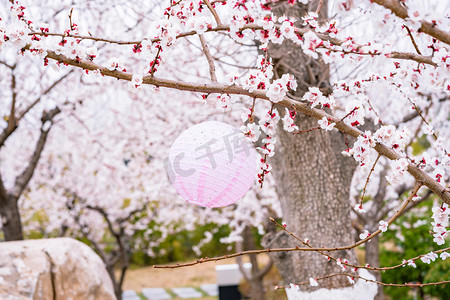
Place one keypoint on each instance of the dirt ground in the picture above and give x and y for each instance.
(192, 276)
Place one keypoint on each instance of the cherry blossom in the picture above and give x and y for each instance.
(288, 121)
(326, 124)
(251, 132)
(313, 282)
(428, 258)
(365, 234)
(359, 208)
(269, 121)
(136, 81)
(398, 170)
(383, 226)
(410, 263)
(440, 224)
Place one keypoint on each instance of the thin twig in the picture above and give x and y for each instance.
(412, 40)
(306, 130)
(214, 13)
(427, 27)
(209, 58)
(368, 177)
(352, 276)
(319, 7)
(395, 54)
(320, 250)
(70, 19)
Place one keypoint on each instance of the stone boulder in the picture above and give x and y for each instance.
(52, 269)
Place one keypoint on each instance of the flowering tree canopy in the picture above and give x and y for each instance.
(154, 70)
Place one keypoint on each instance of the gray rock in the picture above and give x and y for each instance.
(60, 269)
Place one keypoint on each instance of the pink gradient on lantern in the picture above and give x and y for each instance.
(225, 169)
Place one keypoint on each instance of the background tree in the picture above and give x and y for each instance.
(314, 203)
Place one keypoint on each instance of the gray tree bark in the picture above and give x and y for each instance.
(313, 177)
(255, 277)
(373, 259)
(10, 215)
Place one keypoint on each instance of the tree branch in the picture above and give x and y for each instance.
(119, 239)
(319, 6)
(3, 192)
(418, 174)
(213, 12)
(6, 65)
(353, 276)
(320, 250)
(132, 213)
(400, 11)
(12, 121)
(209, 58)
(24, 178)
(265, 269)
(47, 90)
(301, 31)
(10, 129)
(413, 40)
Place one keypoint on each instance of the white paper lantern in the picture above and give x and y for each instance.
(211, 165)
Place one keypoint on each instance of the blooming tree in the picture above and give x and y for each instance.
(323, 91)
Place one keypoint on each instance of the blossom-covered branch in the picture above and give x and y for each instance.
(400, 11)
(421, 176)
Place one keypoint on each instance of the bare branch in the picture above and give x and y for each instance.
(24, 178)
(12, 121)
(240, 263)
(119, 239)
(105, 216)
(6, 65)
(10, 129)
(266, 268)
(368, 178)
(132, 213)
(209, 58)
(319, 6)
(47, 90)
(413, 40)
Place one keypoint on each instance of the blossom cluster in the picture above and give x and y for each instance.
(289, 120)
(362, 150)
(441, 222)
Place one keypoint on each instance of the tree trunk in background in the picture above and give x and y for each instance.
(11, 224)
(255, 276)
(313, 177)
(373, 259)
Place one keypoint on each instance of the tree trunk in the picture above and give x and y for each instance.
(313, 177)
(373, 259)
(116, 285)
(256, 275)
(11, 224)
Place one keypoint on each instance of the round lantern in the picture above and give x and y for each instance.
(210, 164)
